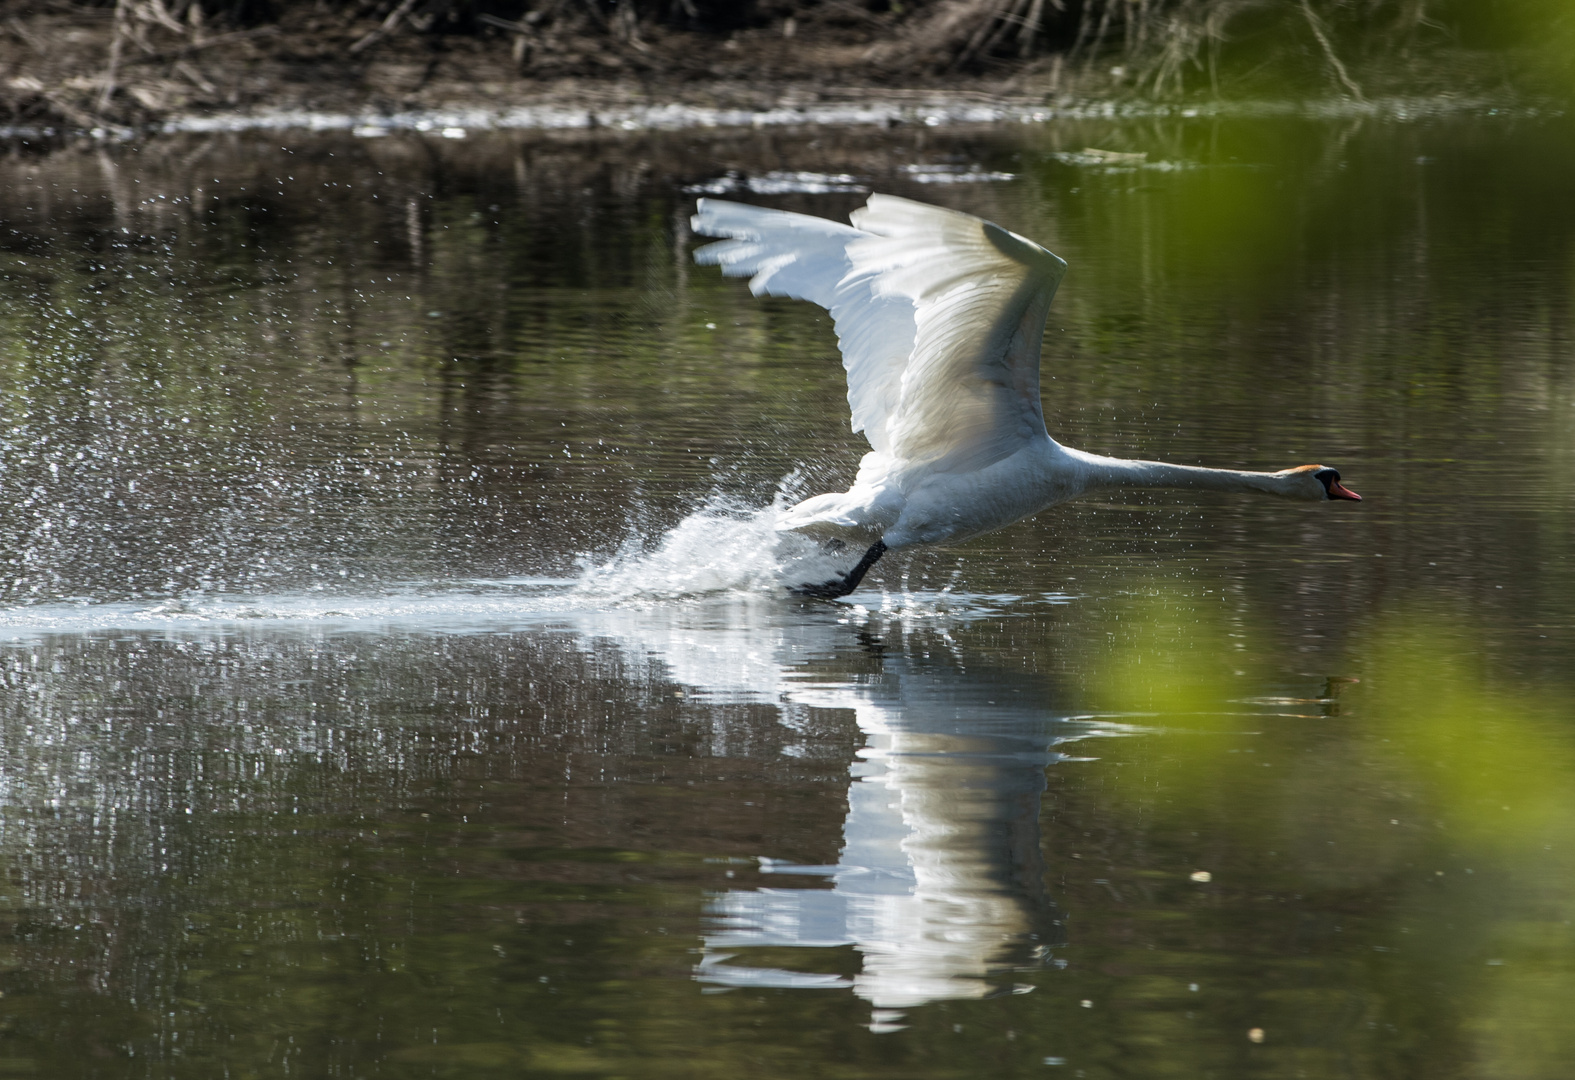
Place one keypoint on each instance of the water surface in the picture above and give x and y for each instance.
(396, 681)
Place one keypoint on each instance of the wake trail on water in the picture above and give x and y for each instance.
(725, 548)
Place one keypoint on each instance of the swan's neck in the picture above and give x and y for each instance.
(1103, 473)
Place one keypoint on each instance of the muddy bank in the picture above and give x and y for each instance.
(83, 68)
(138, 65)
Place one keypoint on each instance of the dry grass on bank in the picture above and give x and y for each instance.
(132, 62)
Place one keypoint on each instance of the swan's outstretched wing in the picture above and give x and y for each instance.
(808, 258)
(939, 315)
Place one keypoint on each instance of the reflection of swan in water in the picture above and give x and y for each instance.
(939, 884)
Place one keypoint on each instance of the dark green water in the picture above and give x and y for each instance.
(391, 683)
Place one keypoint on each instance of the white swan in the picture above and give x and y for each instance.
(939, 315)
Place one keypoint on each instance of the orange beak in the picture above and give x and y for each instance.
(1338, 490)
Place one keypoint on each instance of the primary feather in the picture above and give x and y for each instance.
(938, 315)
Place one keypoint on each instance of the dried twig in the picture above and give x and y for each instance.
(155, 11)
(70, 111)
(1029, 32)
(198, 78)
(122, 8)
(503, 24)
(25, 35)
(1099, 35)
(627, 26)
(386, 27)
(198, 46)
(1328, 51)
(993, 28)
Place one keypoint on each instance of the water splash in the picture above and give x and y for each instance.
(723, 550)
(724, 546)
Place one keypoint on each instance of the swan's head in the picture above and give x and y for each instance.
(1317, 483)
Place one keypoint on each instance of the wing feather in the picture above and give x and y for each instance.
(806, 258)
(939, 315)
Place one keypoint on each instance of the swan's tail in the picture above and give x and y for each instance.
(866, 510)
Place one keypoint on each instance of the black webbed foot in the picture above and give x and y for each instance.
(830, 590)
(825, 590)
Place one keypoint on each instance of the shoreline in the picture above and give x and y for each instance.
(886, 109)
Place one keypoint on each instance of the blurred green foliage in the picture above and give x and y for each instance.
(1420, 800)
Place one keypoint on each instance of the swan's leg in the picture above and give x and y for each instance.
(830, 590)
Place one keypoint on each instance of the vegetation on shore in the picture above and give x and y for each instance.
(84, 63)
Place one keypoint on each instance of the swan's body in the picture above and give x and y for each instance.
(940, 316)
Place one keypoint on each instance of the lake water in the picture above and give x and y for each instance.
(396, 682)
